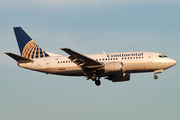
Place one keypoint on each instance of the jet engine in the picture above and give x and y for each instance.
(119, 77)
(113, 67)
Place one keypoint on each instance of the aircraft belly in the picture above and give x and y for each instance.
(69, 71)
(135, 67)
(142, 67)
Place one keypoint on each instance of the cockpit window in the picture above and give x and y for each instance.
(162, 56)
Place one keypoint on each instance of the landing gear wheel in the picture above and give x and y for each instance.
(93, 77)
(98, 82)
(155, 77)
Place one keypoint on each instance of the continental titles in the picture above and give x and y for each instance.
(125, 55)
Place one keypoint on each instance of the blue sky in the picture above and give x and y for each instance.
(90, 26)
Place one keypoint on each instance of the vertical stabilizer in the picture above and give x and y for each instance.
(27, 46)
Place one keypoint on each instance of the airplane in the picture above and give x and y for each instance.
(115, 67)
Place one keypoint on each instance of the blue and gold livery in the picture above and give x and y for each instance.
(27, 46)
(32, 50)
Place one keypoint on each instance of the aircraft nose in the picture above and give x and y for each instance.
(173, 62)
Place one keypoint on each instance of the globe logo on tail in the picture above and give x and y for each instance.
(32, 50)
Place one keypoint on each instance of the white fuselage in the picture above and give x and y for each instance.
(133, 62)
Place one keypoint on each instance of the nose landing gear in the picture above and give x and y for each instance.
(157, 71)
(155, 77)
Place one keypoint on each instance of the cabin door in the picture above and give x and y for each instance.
(48, 64)
(150, 58)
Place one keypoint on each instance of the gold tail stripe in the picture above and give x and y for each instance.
(28, 46)
(27, 54)
(38, 52)
(25, 50)
(43, 53)
(32, 52)
(35, 52)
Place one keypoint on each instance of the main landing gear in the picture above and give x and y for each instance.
(94, 78)
(98, 82)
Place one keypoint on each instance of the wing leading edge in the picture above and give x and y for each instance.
(81, 60)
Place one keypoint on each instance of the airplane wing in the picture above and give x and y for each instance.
(18, 58)
(81, 60)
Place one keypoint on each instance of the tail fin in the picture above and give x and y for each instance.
(27, 46)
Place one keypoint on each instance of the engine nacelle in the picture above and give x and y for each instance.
(113, 67)
(119, 77)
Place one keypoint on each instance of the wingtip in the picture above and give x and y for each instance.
(6, 52)
(63, 48)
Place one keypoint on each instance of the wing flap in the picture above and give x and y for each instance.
(81, 60)
(18, 58)
(75, 60)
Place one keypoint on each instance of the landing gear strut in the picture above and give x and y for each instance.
(155, 77)
(94, 78)
(157, 71)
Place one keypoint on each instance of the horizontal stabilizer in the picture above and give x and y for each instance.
(18, 58)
